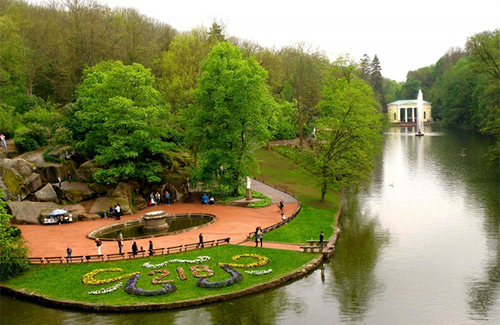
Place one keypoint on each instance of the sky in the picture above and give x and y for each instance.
(405, 35)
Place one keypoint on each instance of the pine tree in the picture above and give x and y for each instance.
(376, 80)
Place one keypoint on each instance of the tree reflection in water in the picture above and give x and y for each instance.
(360, 244)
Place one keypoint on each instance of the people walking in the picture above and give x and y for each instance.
(150, 248)
(158, 198)
(60, 181)
(98, 243)
(283, 214)
(260, 235)
(120, 244)
(256, 236)
(200, 241)
(118, 211)
(69, 251)
(69, 177)
(281, 205)
(321, 236)
(134, 248)
(167, 198)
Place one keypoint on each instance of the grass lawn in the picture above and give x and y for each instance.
(64, 281)
(314, 216)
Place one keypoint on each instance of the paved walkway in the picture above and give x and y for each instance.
(234, 222)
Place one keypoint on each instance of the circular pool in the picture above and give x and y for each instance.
(172, 224)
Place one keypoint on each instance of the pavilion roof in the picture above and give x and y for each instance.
(407, 102)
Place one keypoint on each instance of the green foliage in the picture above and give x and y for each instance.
(121, 122)
(8, 120)
(61, 135)
(348, 132)
(33, 137)
(13, 248)
(230, 116)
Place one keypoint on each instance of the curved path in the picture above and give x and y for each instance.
(234, 222)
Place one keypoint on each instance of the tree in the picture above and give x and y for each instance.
(376, 81)
(14, 249)
(230, 116)
(120, 122)
(365, 66)
(485, 56)
(349, 131)
(304, 71)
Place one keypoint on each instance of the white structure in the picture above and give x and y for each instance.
(405, 111)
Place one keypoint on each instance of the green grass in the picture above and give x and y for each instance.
(315, 216)
(64, 281)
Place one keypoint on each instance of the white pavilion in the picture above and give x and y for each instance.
(405, 111)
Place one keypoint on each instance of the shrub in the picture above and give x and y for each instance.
(32, 138)
(13, 248)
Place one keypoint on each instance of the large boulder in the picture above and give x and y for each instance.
(102, 204)
(49, 171)
(46, 194)
(62, 152)
(123, 190)
(17, 179)
(29, 212)
(75, 191)
(86, 171)
(77, 211)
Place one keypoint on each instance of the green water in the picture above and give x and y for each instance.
(419, 245)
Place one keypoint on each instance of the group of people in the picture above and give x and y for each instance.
(155, 199)
(116, 212)
(207, 200)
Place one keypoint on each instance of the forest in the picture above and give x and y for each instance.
(124, 88)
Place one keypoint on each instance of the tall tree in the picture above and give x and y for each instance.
(365, 66)
(484, 51)
(230, 117)
(349, 131)
(120, 122)
(304, 71)
(376, 80)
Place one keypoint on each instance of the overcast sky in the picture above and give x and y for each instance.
(405, 35)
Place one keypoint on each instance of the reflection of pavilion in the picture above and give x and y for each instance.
(405, 111)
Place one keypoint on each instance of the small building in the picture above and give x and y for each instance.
(405, 111)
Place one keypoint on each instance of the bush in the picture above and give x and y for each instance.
(13, 247)
(34, 137)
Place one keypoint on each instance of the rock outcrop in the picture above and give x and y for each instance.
(29, 212)
(46, 194)
(74, 192)
(17, 179)
(102, 204)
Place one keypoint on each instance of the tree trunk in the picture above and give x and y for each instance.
(322, 196)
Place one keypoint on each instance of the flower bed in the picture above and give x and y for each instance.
(235, 278)
(131, 288)
(261, 261)
(90, 279)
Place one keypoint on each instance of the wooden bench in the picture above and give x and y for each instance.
(72, 259)
(174, 249)
(36, 260)
(90, 258)
(223, 241)
(132, 255)
(209, 243)
(116, 256)
(156, 250)
(191, 246)
(54, 259)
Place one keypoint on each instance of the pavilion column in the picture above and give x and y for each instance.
(397, 114)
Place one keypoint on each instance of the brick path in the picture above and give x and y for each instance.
(234, 222)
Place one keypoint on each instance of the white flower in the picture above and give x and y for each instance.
(259, 272)
(199, 259)
(106, 290)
